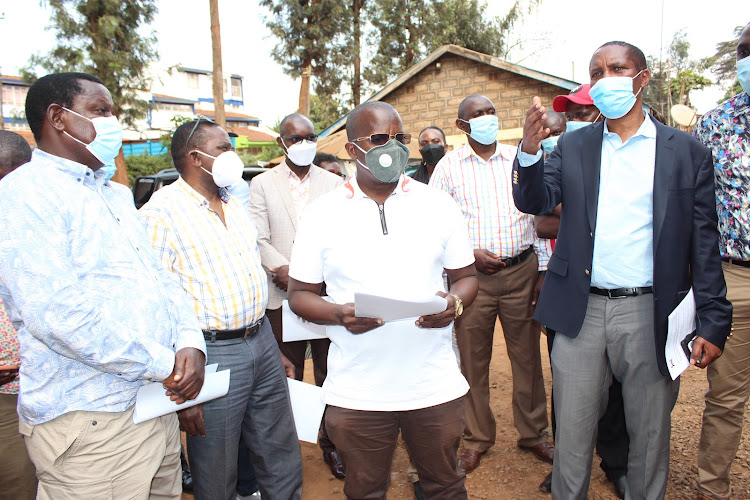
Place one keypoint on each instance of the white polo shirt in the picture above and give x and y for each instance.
(398, 250)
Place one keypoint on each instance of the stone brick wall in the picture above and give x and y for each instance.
(432, 96)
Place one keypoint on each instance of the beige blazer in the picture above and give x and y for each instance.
(272, 210)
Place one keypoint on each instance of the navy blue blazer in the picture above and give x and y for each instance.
(686, 238)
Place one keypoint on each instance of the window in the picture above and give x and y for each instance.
(193, 81)
(237, 88)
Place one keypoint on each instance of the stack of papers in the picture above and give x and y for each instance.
(387, 309)
(307, 408)
(681, 327)
(152, 401)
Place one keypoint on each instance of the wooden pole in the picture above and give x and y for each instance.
(219, 115)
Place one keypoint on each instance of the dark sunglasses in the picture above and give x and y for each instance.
(195, 127)
(380, 139)
(294, 139)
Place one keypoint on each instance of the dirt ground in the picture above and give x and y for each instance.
(506, 472)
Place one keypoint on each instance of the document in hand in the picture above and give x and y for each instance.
(387, 309)
(295, 328)
(152, 401)
(307, 408)
(681, 329)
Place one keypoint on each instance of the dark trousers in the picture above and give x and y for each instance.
(366, 441)
(295, 353)
(612, 441)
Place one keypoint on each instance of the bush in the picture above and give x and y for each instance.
(147, 164)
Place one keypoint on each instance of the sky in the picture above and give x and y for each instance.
(571, 30)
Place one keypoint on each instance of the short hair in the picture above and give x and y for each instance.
(57, 88)
(288, 118)
(14, 150)
(634, 53)
(324, 158)
(432, 127)
(352, 121)
(180, 147)
(462, 106)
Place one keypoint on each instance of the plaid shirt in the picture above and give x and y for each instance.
(484, 192)
(8, 348)
(217, 265)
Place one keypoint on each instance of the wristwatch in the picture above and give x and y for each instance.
(458, 303)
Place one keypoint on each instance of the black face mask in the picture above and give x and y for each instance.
(432, 153)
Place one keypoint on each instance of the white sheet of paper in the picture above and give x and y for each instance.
(295, 328)
(387, 309)
(681, 324)
(307, 408)
(151, 400)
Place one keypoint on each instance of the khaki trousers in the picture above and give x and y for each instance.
(102, 456)
(17, 476)
(728, 390)
(507, 295)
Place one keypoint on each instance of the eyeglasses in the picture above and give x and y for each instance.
(380, 139)
(195, 127)
(294, 139)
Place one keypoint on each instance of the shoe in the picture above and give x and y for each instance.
(334, 462)
(418, 493)
(543, 451)
(621, 486)
(251, 496)
(546, 485)
(468, 460)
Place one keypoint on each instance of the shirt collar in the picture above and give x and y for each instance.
(647, 129)
(285, 167)
(79, 171)
(198, 198)
(351, 185)
(467, 151)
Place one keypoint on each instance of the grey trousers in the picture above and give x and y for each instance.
(617, 339)
(257, 405)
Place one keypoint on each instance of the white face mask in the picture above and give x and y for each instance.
(227, 168)
(302, 153)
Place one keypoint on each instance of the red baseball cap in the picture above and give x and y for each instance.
(578, 96)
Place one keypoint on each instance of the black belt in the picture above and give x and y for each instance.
(246, 332)
(743, 263)
(512, 261)
(618, 293)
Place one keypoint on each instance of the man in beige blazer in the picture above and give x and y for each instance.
(277, 199)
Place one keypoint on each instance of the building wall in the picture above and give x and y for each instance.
(432, 96)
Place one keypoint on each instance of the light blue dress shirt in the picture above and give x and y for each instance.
(623, 238)
(95, 311)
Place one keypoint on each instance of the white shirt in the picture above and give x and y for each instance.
(300, 189)
(397, 366)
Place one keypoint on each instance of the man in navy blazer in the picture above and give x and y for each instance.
(638, 229)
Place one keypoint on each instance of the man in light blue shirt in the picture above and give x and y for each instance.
(96, 314)
(638, 229)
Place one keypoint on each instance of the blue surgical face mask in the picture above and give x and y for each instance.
(484, 129)
(743, 73)
(614, 95)
(106, 145)
(109, 171)
(549, 143)
(575, 125)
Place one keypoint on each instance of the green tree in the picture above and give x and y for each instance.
(103, 38)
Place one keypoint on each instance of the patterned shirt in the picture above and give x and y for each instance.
(484, 192)
(218, 265)
(8, 349)
(299, 187)
(726, 131)
(95, 311)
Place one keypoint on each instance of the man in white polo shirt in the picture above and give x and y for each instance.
(401, 375)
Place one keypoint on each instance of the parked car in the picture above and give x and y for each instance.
(146, 185)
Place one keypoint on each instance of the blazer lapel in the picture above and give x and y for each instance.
(591, 163)
(663, 171)
(316, 188)
(285, 190)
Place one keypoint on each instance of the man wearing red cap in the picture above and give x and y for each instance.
(612, 439)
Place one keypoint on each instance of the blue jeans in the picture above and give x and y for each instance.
(256, 406)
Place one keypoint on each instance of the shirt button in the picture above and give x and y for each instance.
(93, 423)
(88, 173)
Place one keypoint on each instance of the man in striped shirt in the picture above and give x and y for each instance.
(511, 261)
(208, 241)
